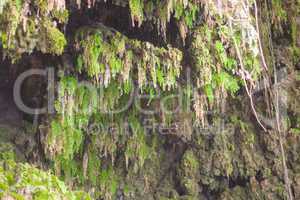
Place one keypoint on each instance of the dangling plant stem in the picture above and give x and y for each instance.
(277, 114)
(248, 90)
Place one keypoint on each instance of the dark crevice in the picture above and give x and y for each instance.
(238, 181)
(118, 18)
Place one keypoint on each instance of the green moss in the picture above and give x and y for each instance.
(112, 64)
(94, 166)
(22, 32)
(190, 162)
(66, 131)
(69, 130)
(6, 151)
(61, 15)
(189, 173)
(215, 67)
(9, 21)
(113, 56)
(160, 12)
(279, 11)
(295, 131)
(108, 184)
(23, 181)
(190, 14)
(137, 11)
(179, 11)
(191, 186)
(52, 41)
(137, 150)
(42, 5)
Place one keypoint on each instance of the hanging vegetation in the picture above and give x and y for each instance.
(177, 104)
(107, 55)
(29, 25)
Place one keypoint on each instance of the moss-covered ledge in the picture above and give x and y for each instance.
(19, 181)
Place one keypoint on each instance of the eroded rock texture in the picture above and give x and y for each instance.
(210, 91)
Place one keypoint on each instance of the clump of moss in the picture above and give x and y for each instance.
(190, 163)
(23, 181)
(6, 152)
(189, 174)
(23, 29)
(279, 14)
(137, 13)
(9, 22)
(108, 184)
(53, 41)
(61, 15)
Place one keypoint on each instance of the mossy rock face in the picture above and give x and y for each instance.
(189, 173)
(29, 25)
(218, 42)
(52, 40)
(20, 181)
